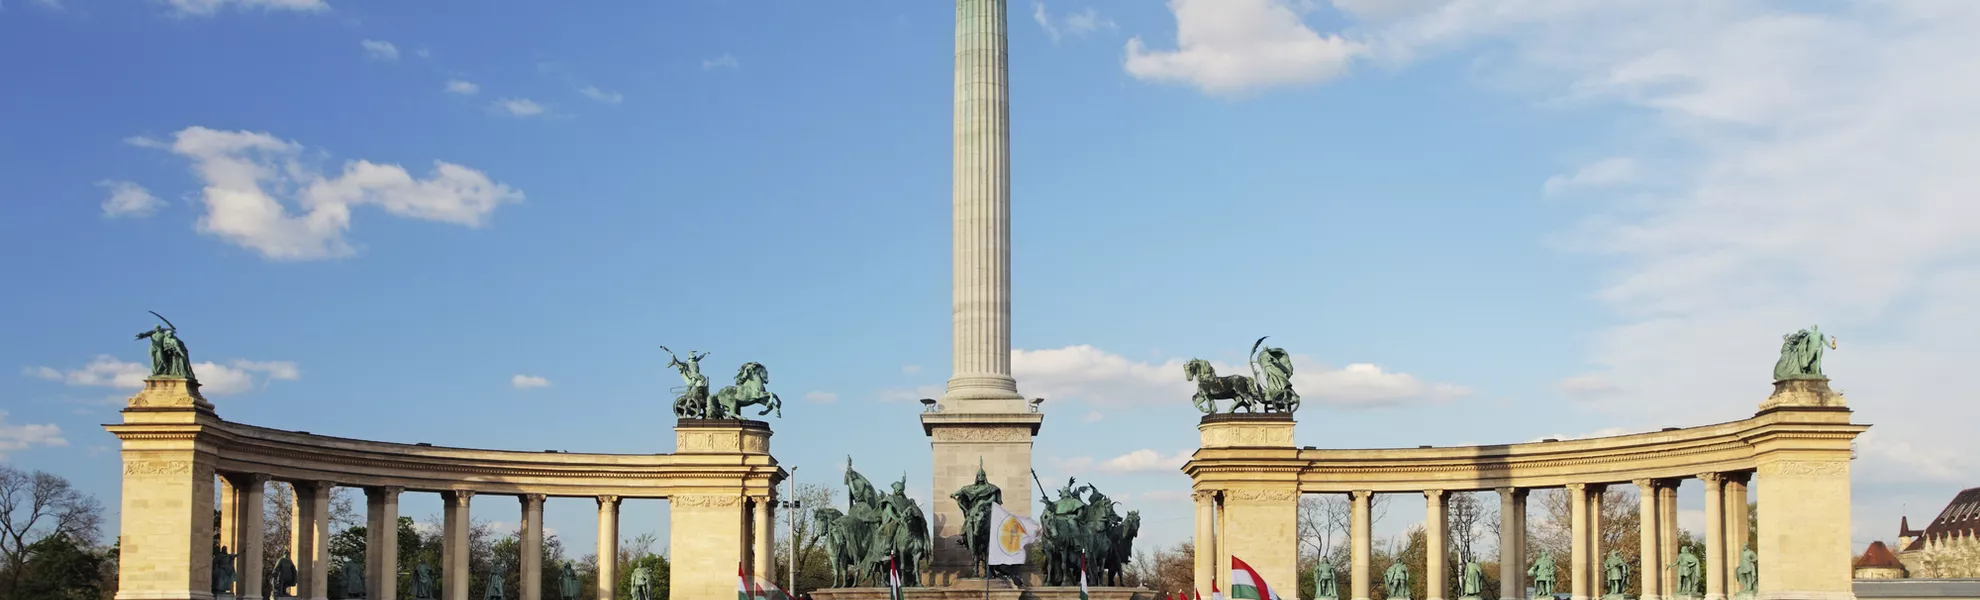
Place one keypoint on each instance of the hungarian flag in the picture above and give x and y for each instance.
(894, 578)
(1245, 582)
(742, 583)
(1082, 576)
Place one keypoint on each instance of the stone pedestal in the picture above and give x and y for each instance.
(1001, 443)
(1803, 393)
(1252, 507)
(707, 534)
(1802, 479)
(166, 517)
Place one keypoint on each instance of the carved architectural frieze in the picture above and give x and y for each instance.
(158, 467)
(982, 434)
(1261, 496)
(1804, 468)
(704, 500)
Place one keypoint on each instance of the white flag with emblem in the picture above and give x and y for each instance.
(1009, 534)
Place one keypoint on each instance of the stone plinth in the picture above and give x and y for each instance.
(1001, 442)
(721, 436)
(1803, 393)
(1243, 430)
(169, 393)
(166, 522)
(972, 589)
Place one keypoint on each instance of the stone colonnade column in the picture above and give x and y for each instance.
(1578, 539)
(1715, 536)
(1362, 543)
(1647, 533)
(230, 517)
(1737, 518)
(1512, 550)
(253, 527)
(530, 576)
(454, 544)
(309, 533)
(1596, 582)
(1436, 526)
(1206, 541)
(1667, 535)
(764, 537)
(608, 546)
(381, 560)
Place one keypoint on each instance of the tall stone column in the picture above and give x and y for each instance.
(1667, 535)
(1362, 543)
(1649, 565)
(230, 517)
(1436, 525)
(309, 532)
(608, 546)
(530, 578)
(1206, 540)
(381, 560)
(1594, 572)
(253, 530)
(1578, 539)
(763, 536)
(1715, 536)
(982, 420)
(454, 544)
(1512, 555)
(1736, 518)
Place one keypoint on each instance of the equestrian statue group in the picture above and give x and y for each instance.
(1268, 389)
(694, 401)
(876, 534)
(1086, 529)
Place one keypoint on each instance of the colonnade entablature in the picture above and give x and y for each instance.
(1248, 477)
(179, 455)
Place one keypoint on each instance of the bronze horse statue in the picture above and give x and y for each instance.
(1210, 388)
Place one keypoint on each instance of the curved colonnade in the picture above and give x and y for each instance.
(1248, 478)
(720, 485)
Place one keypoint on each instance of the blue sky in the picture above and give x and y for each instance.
(1471, 222)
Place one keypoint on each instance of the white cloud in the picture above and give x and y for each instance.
(724, 61)
(525, 382)
(591, 91)
(49, 4)
(128, 200)
(910, 369)
(209, 7)
(518, 107)
(1076, 24)
(1146, 461)
(1233, 46)
(1092, 417)
(821, 397)
(1102, 378)
(1587, 386)
(1605, 172)
(462, 87)
(422, 52)
(14, 438)
(251, 178)
(234, 376)
(380, 49)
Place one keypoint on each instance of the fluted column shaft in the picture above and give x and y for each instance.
(1362, 542)
(1436, 526)
(1715, 536)
(608, 546)
(1596, 580)
(530, 572)
(1206, 541)
(1512, 550)
(1737, 518)
(1647, 535)
(454, 543)
(1667, 535)
(381, 573)
(1578, 539)
(981, 198)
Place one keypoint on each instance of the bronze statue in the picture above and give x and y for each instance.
(751, 380)
(1270, 366)
(285, 577)
(1801, 355)
(169, 357)
(875, 528)
(1324, 586)
(424, 587)
(494, 591)
(354, 580)
(975, 501)
(1396, 581)
(642, 583)
(1471, 582)
(223, 571)
(1543, 576)
(693, 400)
(567, 582)
(1747, 573)
(1690, 575)
(1615, 573)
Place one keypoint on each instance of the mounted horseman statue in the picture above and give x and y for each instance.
(1270, 366)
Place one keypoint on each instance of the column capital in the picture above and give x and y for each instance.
(1435, 494)
(1514, 492)
(532, 499)
(1645, 485)
(1362, 494)
(1737, 476)
(1204, 495)
(384, 491)
(1576, 487)
(608, 500)
(1712, 477)
(460, 497)
(1597, 488)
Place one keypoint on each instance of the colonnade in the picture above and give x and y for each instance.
(179, 457)
(1795, 452)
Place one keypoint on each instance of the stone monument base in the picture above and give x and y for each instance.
(1804, 392)
(973, 589)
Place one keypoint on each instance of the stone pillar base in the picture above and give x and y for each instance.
(1804, 393)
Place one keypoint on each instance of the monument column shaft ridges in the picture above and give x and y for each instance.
(982, 420)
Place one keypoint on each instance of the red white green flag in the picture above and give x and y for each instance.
(1214, 593)
(742, 582)
(1245, 583)
(1082, 576)
(894, 579)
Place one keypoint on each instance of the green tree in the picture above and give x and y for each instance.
(813, 567)
(60, 567)
(34, 506)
